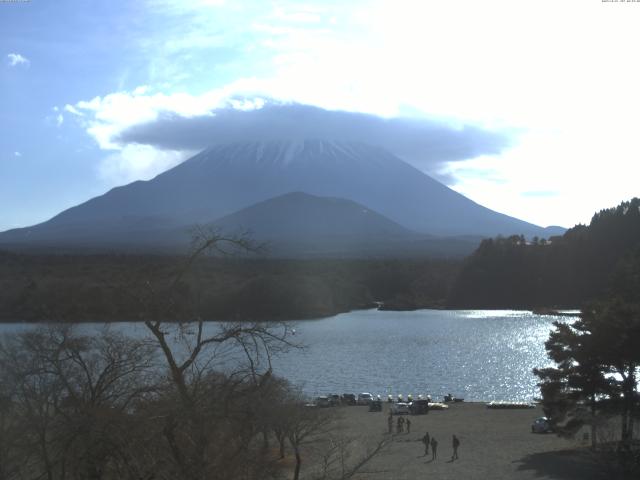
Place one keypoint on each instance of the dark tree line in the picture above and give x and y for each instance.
(107, 287)
(595, 380)
(565, 271)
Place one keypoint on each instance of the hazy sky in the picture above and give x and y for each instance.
(527, 107)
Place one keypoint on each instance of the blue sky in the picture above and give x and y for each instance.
(559, 79)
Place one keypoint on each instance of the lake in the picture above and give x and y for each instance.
(478, 355)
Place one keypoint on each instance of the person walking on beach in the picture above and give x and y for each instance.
(399, 425)
(426, 439)
(408, 426)
(434, 448)
(456, 444)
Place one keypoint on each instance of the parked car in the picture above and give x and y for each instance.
(323, 401)
(334, 399)
(375, 405)
(400, 408)
(541, 425)
(365, 398)
(450, 398)
(419, 407)
(348, 399)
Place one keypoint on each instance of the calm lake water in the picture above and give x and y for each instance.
(476, 354)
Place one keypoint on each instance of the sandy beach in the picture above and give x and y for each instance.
(495, 444)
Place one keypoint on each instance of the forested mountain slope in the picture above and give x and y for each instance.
(565, 271)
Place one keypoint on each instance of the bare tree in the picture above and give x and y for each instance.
(345, 457)
(71, 399)
(9, 461)
(316, 433)
(216, 373)
(305, 425)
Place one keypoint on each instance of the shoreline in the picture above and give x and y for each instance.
(377, 306)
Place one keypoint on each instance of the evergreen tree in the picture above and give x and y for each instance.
(598, 358)
(580, 378)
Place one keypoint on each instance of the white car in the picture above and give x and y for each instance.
(541, 425)
(364, 398)
(400, 408)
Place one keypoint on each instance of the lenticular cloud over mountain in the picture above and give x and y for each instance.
(427, 144)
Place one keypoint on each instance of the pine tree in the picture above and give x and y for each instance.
(597, 357)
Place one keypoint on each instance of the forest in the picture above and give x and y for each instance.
(65, 288)
(504, 272)
(563, 271)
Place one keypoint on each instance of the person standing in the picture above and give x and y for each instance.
(456, 443)
(390, 423)
(426, 439)
(408, 426)
(434, 448)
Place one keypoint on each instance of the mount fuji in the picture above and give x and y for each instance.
(225, 179)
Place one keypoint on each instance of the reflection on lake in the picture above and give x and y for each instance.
(477, 355)
(474, 354)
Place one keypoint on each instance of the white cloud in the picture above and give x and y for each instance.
(181, 7)
(15, 59)
(104, 118)
(138, 162)
(108, 116)
(72, 109)
(557, 71)
(17, 154)
(586, 171)
(423, 142)
(57, 118)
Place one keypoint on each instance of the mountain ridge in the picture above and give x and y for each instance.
(226, 178)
